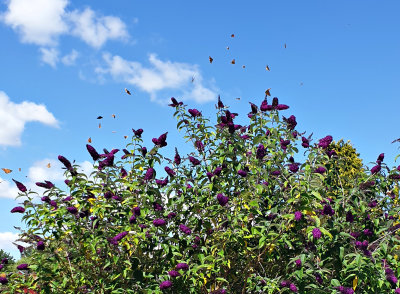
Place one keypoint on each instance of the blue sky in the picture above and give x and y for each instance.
(63, 63)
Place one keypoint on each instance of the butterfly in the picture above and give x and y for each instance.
(125, 137)
(227, 48)
(89, 140)
(397, 140)
(6, 170)
(284, 45)
(113, 115)
(233, 61)
(233, 35)
(113, 131)
(192, 79)
(99, 126)
(19, 169)
(267, 67)
(99, 117)
(243, 66)
(210, 58)
(127, 91)
(237, 98)
(267, 92)
(48, 165)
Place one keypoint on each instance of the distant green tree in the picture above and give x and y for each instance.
(4, 254)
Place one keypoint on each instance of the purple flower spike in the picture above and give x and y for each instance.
(220, 104)
(397, 291)
(194, 112)
(138, 133)
(20, 186)
(46, 184)
(149, 174)
(144, 151)
(132, 219)
(40, 245)
(185, 229)
(18, 209)
(177, 158)
(217, 171)
(264, 105)
(375, 169)
(380, 158)
(159, 222)
(169, 171)
(298, 215)
(175, 103)
(23, 266)
(294, 167)
(291, 122)
(320, 170)
(292, 286)
(72, 209)
(92, 152)
(324, 142)
(261, 152)
(194, 161)
(222, 200)
(349, 217)
(174, 274)
(3, 280)
(65, 161)
(136, 211)
(242, 173)
(275, 173)
(165, 285)
(182, 266)
(298, 262)
(171, 215)
(123, 173)
(316, 233)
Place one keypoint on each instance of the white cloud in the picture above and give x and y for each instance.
(38, 22)
(70, 58)
(39, 171)
(13, 118)
(43, 22)
(96, 30)
(161, 75)
(6, 239)
(50, 56)
(7, 189)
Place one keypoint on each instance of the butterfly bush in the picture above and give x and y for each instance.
(256, 206)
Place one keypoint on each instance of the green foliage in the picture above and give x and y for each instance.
(252, 244)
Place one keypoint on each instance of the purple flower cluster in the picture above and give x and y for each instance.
(242, 173)
(18, 209)
(162, 183)
(175, 103)
(67, 164)
(298, 215)
(108, 161)
(261, 152)
(222, 200)
(149, 174)
(165, 285)
(92, 152)
(284, 144)
(194, 112)
(23, 266)
(182, 266)
(390, 275)
(169, 171)
(46, 184)
(294, 167)
(316, 233)
(275, 105)
(298, 262)
(199, 145)
(161, 141)
(324, 142)
(173, 274)
(20, 186)
(185, 229)
(306, 142)
(291, 122)
(345, 290)
(159, 222)
(320, 170)
(288, 284)
(194, 161)
(177, 158)
(118, 238)
(138, 133)
(327, 210)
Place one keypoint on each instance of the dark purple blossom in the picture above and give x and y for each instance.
(185, 229)
(162, 183)
(391, 279)
(264, 105)
(349, 217)
(132, 219)
(368, 232)
(261, 152)
(45, 199)
(375, 169)
(298, 262)
(327, 210)
(320, 170)
(92, 152)
(40, 245)
(284, 144)
(222, 200)
(194, 112)
(136, 210)
(161, 141)
(291, 122)
(242, 173)
(157, 206)
(159, 222)
(209, 175)
(23, 266)
(175, 103)
(275, 172)
(165, 285)
(373, 204)
(254, 108)
(217, 171)
(173, 274)
(20, 248)
(108, 195)
(53, 204)
(194, 161)
(4, 261)
(306, 142)
(138, 133)
(20, 186)
(177, 158)
(144, 151)
(316, 233)
(324, 142)
(68, 198)
(285, 284)
(46, 184)
(117, 197)
(123, 173)
(380, 158)
(108, 161)
(65, 161)
(397, 291)
(199, 145)
(169, 171)
(18, 209)
(294, 167)
(149, 174)
(182, 266)
(292, 286)
(3, 280)
(298, 215)
(72, 209)
(171, 215)
(318, 278)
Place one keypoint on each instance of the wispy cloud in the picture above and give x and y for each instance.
(13, 118)
(43, 22)
(7, 189)
(70, 58)
(160, 76)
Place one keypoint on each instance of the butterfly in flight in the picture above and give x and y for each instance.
(233, 35)
(233, 61)
(210, 58)
(243, 66)
(113, 115)
(192, 79)
(48, 165)
(127, 91)
(227, 48)
(89, 140)
(267, 67)
(284, 45)
(6, 170)
(99, 117)
(267, 92)
(99, 126)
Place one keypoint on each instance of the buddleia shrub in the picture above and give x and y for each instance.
(256, 208)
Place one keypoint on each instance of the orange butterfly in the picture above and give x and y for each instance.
(233, 61)
(127, 91)
(267, 93)
(125, 137)
(233, 35)
(48, 165)
(19, 169)
(99, 126)
(89, 140)
(6, 170)
(210, 58)
(113, 115)
(267, 67)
